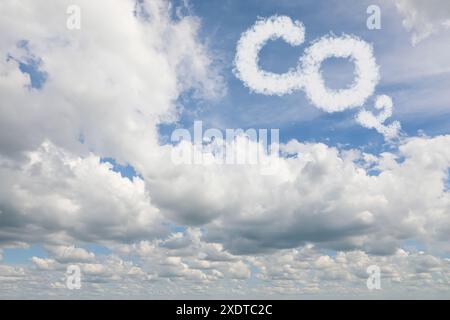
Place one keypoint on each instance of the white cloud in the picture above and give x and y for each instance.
(240, 270)
(57, 197)
(43, 263)
(366, 72)
(321, 196)
(70, 254)
(369, 120)
(177, 272)
(424, 18)
(294, 270)
(10, 274)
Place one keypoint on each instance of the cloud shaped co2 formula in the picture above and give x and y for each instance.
(307, 75)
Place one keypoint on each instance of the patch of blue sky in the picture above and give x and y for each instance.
(126, 171)
(97, 249)
(22, 256)
(412, 245)
(81, 138)
(430, 125)
(30, 65)
(176, 228)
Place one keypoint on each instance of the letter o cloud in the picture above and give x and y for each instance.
(366, 73)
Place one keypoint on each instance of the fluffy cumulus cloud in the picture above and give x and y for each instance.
(424, 18)
(56, 197)
(72, 98)
(183, 264)
(341, 199)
